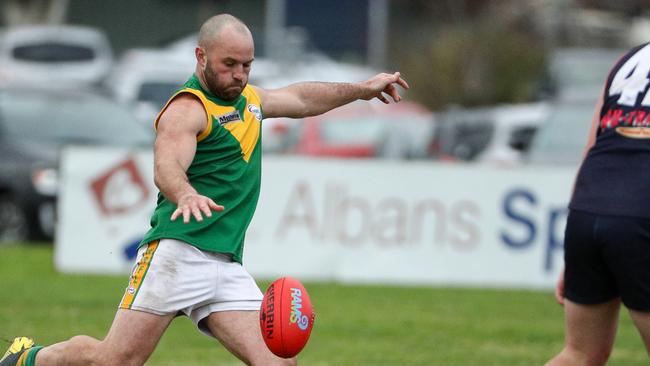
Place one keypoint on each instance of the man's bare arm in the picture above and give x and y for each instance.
(174, 150)
(313, 98)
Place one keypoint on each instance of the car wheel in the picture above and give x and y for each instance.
(13, 221)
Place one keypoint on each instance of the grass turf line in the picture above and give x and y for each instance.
(355, 325)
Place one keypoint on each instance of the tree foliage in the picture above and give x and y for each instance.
(476, 64)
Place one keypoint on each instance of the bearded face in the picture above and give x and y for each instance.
(224, 63)
(225, 87)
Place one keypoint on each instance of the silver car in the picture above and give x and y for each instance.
(54, 56)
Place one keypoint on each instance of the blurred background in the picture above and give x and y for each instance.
(494, 85)
(434, 202)
(491, 80)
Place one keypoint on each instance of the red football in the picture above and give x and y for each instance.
(286, 317)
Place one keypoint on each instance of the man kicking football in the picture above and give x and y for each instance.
(207, 165)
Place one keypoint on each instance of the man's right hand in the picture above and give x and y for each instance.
(195, 204)
(382, 84)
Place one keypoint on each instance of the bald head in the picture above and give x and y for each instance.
(224, 56)
(212, 28)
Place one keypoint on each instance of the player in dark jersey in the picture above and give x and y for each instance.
(607, 239)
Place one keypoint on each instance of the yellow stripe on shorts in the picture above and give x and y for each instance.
(137, 277)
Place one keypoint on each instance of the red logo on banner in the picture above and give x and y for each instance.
(120, 189)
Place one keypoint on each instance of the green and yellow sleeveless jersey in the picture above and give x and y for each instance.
(226, 168)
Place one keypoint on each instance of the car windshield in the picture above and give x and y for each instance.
(53, 52)
(65, 118)
(462, 137)
(521, 137)
(563, 135)
(353, 130)
(157, 92)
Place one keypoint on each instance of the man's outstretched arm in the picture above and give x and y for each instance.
(313, 98)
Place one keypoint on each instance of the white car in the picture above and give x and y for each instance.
(144, 79)
(498, 134)
(54, 56)
(563, 134)
(270, 73)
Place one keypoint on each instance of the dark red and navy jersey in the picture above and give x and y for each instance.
(614, 178)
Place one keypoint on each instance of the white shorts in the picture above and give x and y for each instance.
(173, 277)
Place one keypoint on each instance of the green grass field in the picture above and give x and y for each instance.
(355, 325)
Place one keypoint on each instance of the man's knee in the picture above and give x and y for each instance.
(98, 353)
(84, 349)
(84, 341)
(107, 355)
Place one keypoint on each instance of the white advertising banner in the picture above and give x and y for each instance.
(105, 202)
(346, 220)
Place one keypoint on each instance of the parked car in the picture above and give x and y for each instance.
(34, 126)
(363, 130)
(270, 73)
(563, 134)
(144, 79)
(278, 135)
(54, 55)
(498, 134)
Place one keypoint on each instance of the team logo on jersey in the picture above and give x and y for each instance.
(256, 111)
(634, 132)
(229, 117)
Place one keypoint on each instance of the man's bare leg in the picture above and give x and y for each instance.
(239, 332)
(590, 332)
(130, 341)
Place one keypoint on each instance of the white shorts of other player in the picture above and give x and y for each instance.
(172, 277)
